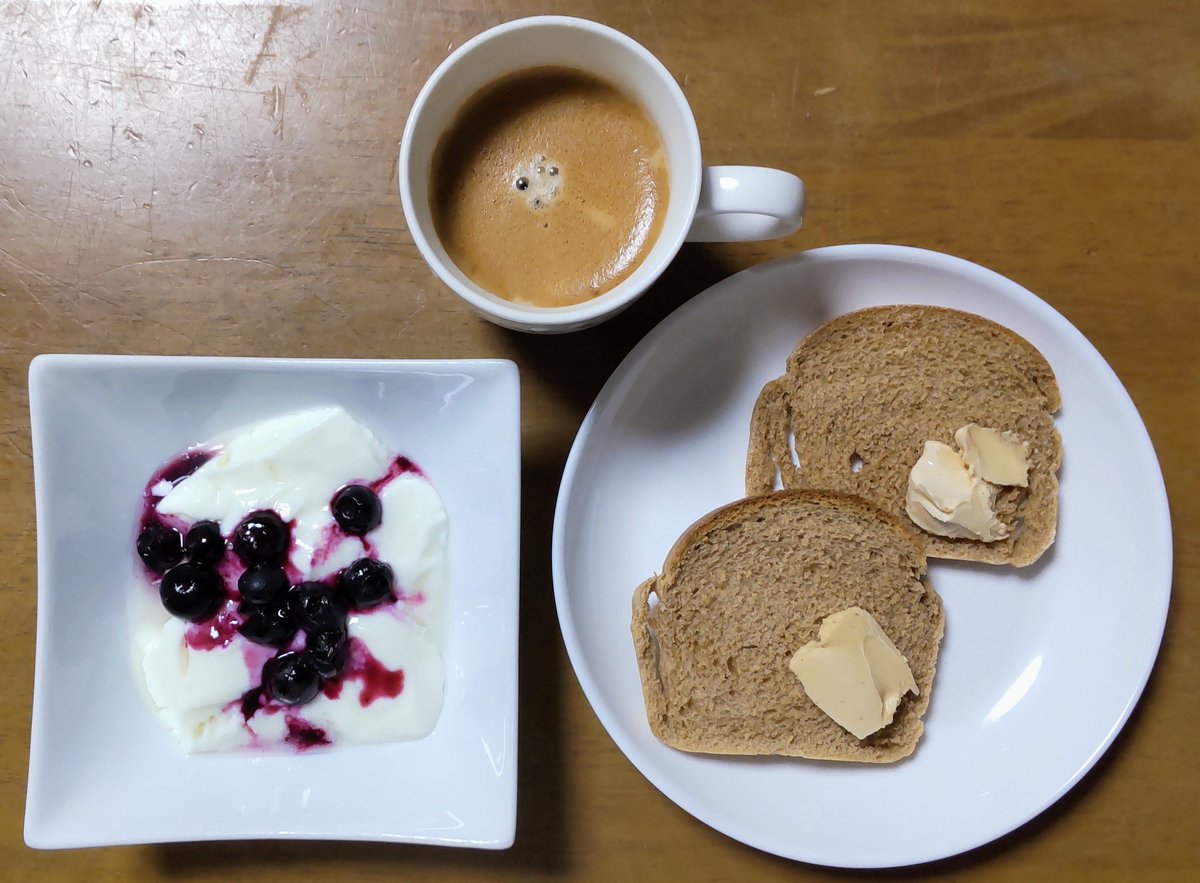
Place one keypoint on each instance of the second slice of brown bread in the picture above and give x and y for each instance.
(747, 586)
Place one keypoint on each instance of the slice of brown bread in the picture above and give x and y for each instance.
(748, 585)
(864, 392)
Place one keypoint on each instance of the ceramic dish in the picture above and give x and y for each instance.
(102, 770)
(1039, 668)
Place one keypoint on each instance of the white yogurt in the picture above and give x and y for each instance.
(294, 464)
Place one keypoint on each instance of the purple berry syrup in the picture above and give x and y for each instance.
(378, 682)
(218, 632)
(174, 470)
(302, 735)
(334, 535)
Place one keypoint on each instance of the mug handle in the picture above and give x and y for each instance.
(746, 204)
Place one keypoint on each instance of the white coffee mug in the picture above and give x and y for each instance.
(714, 204)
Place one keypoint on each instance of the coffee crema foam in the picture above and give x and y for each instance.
(549, 188)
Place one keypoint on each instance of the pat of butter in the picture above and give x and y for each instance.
(945, 499)
(998, 457)
(853, 672)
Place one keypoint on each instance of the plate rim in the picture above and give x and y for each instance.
(40, 834)
(830, 254)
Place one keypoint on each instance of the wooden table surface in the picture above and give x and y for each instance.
(199, 178)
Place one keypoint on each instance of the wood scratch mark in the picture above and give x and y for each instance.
(195, 260)
(98, 299)
(279, 15)
(11, 438)
(278, 109)
(371, 53)
(420, 308)
(21, 202)
(150, 320)
(137, 76)
(324, 52)
(67, 213)
(8, 76)
(150, 212)
(331, 305)
(30, 268)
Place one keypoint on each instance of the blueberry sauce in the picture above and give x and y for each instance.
(331, 538)
(218, 632)
(398, 467)
(303, 736)
(179, 468)
(251, 702)
(332, 688)
(174, 471)
(378, 681)
(333, 535)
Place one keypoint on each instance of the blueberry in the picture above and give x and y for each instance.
(290, 679)
(357, 509)
(273, 625)
(366, 582)
(261, 538)
(316, 608)
(160, 547)
(263, 584)
(204, 543)
(327, 652)
(191, 592)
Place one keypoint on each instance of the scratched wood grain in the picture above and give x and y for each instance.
(201, 178)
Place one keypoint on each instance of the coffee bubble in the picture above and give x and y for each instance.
(538, 180)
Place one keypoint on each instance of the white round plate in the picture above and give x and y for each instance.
(1040, 667)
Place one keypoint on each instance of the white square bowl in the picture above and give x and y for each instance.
(102, 770)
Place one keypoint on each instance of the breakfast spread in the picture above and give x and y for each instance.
(864, 393)
(550, 187)
(293, 591)
(997, 457)
(952, 493)
(853, 672)
(826, 574)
